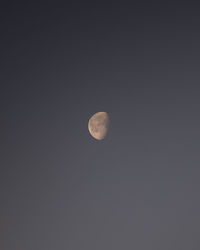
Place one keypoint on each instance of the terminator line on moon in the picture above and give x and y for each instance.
(98, 125)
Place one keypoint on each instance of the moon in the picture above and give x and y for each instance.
(98, 125)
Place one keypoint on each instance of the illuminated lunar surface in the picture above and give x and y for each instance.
(98, 125)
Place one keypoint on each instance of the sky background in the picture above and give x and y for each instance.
(138, 188)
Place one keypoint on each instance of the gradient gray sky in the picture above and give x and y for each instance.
(138, 188)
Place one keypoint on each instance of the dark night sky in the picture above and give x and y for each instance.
(139, 188)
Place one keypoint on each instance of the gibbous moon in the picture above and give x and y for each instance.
(98, 125)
